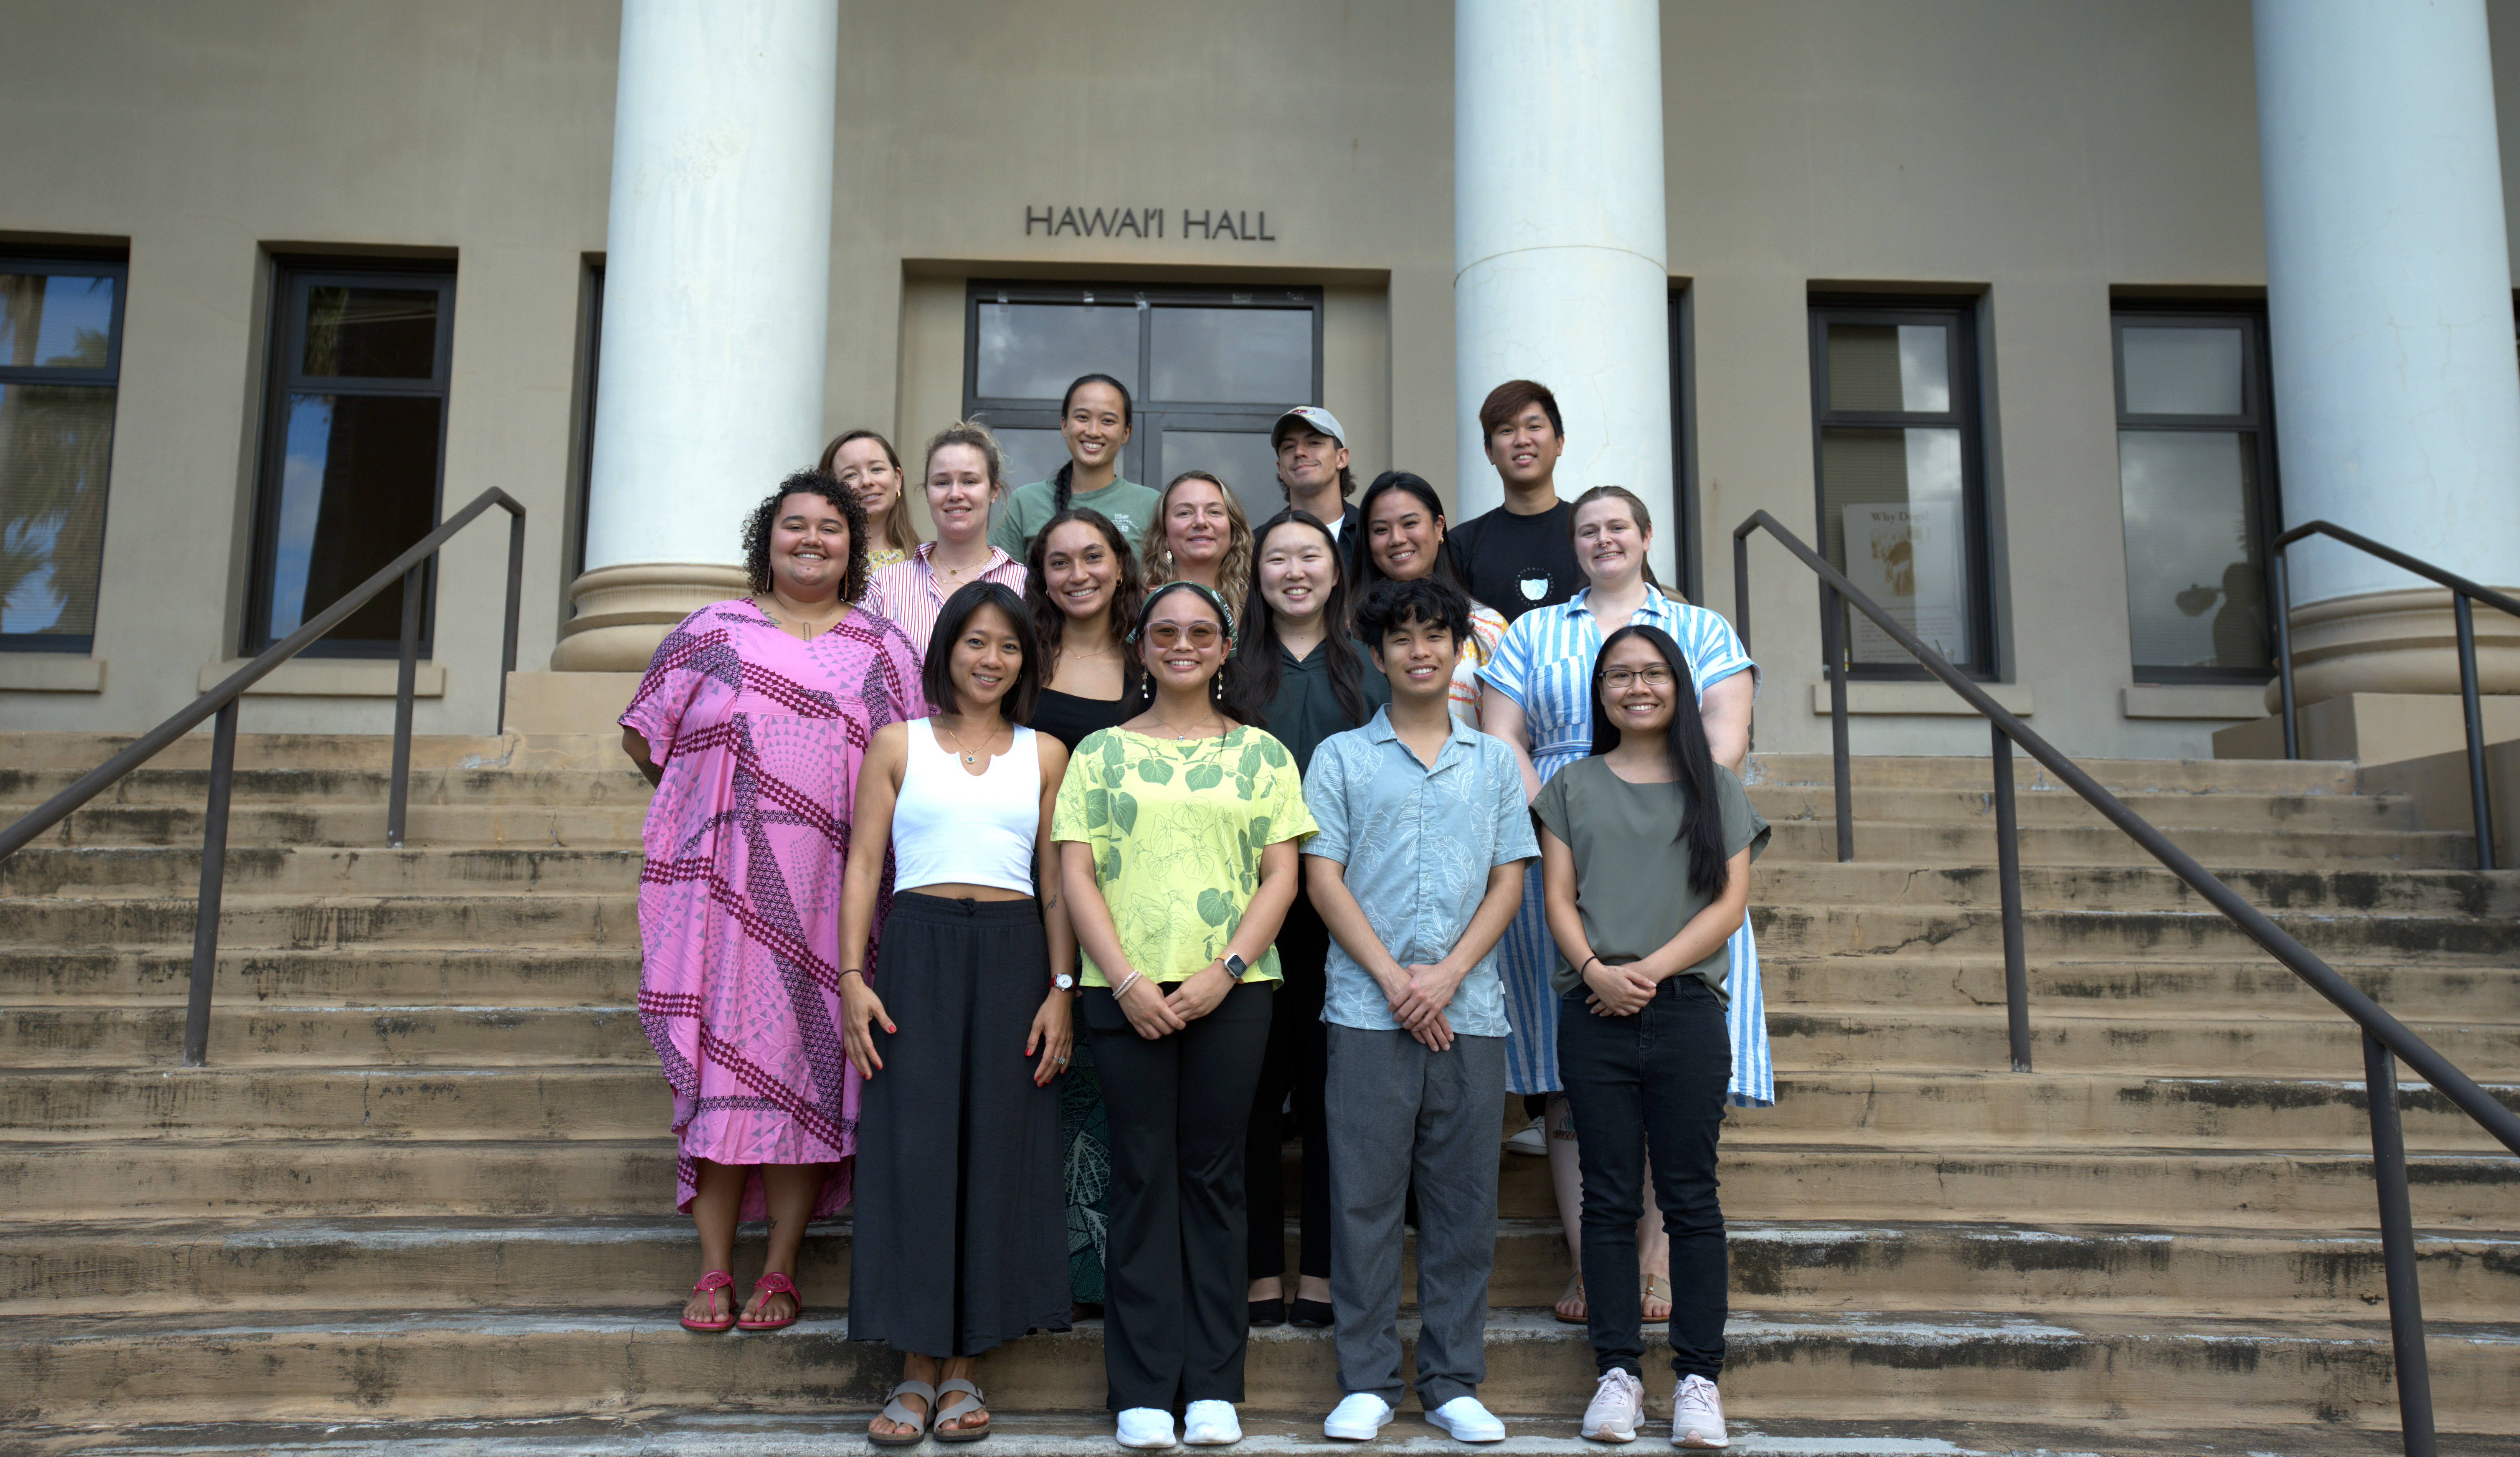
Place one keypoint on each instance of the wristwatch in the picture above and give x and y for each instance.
(1235, 967)
(1065, 981)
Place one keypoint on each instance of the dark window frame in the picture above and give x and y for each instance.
(292, 278)
(1688, 554)
(1959, 317)
(2257, 402)
(89, 263)
(581, 447)
(1140, 459)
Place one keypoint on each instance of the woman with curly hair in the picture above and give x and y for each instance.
(1199, 534)
(750, 722)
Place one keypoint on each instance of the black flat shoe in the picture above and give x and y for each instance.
(1313, 1315)
(1269, 1312)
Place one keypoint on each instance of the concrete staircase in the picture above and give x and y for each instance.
(424, 1179)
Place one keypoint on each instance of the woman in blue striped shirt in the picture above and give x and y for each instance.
(1536, 694)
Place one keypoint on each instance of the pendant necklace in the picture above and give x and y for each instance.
(968, 758)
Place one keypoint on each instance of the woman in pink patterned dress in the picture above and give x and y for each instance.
(751, 723)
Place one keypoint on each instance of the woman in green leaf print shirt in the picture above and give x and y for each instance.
(1177, 835)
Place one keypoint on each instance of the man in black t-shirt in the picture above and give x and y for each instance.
(1520, 555)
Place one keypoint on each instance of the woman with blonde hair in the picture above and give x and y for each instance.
(1199, 534)
(867, 464)
(964, 475)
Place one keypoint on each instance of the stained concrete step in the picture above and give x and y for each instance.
(608, 783)
(645, 1262)
(1975, 804)
(565, 918)
(2298, 1039)
(1763, 1178)
(174, 871)
(2255, 985)
(813, 1433)
(1839, 1366)
(528, 976)
(1938, 1108)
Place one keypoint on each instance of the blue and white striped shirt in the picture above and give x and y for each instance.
(1545, 666)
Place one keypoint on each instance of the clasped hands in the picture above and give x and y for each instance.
(1419, 994)
(1157, 1013)
(1621, 991)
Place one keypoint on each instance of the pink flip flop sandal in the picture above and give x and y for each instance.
(775, 1283)
(714, 1280)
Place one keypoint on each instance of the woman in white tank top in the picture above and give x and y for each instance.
(960, 1236)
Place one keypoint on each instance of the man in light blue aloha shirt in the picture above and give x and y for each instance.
(1416, 870)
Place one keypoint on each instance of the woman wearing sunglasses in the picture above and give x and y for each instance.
(1177, 836)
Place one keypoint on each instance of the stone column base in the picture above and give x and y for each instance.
(2394, 642)
(624, 612)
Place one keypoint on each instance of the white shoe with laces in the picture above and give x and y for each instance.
(1697, 1413)
(1617, 1404)
(1150, 1428)
(1360, 1418)
(1211, 1424)
(1463, 1419)
(1531, 1140)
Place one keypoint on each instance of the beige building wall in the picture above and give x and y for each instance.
(2034, 155)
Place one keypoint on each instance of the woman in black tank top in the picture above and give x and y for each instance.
(1083, 586)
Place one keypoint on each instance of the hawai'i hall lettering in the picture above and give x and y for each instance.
(1147, 222)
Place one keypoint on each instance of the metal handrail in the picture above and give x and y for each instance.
(2385, 1039)
(2462, 591)
(411, 567)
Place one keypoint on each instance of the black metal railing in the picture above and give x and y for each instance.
(411, 569)
(2385, 1039)
(2462, 592)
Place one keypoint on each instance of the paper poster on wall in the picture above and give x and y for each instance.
(1907, 559)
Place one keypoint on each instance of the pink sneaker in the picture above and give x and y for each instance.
(1617, 1404)
(1697, 1413)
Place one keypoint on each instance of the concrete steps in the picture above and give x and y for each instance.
(426, 1176)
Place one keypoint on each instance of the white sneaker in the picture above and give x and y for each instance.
(1617, 1404)
(1463, 1419)
(1147, 1427)
(1211, 1424)
(1532, 1140)
(1697, 1413)
(1360, 1418)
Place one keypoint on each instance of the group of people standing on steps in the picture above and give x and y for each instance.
(1013, 890)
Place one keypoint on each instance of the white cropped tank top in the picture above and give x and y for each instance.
(951, 827)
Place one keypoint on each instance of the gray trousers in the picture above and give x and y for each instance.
(1397, 1110)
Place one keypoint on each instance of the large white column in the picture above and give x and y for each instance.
(2388, 297)
(1557, 239)
(717, 277)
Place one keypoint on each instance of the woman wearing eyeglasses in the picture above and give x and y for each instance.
(1177, 835)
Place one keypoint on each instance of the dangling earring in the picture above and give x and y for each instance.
(1216, 689)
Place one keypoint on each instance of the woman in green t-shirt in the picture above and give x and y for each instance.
(1645, 865)
(1177, 836)
(1094, 423)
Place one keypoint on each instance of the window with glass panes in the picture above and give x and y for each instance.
(354, 429)
(2197, 480)
(1901, 487)
(1208, 370)
(61, 355)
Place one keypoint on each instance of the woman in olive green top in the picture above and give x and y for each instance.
(1094, 419)
(1645, 863)
(1177, 835)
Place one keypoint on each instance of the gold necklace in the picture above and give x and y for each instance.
(805, 628)
(968, 758)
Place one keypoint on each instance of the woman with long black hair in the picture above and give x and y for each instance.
(1297, 659)
(1646, 848)
(1401, 521)
(1094, 420)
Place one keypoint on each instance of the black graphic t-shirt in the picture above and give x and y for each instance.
(1516, 563)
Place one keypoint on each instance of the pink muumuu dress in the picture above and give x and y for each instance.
(760, 733)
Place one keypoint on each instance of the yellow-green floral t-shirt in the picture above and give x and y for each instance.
(1177, 831)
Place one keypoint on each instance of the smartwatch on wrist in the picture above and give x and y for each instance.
(1235, 967)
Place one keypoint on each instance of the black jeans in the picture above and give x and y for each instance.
(1652, 1079)
(1174, 1322)
(1298, 1063)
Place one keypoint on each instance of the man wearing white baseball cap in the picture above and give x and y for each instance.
(1311, 470)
